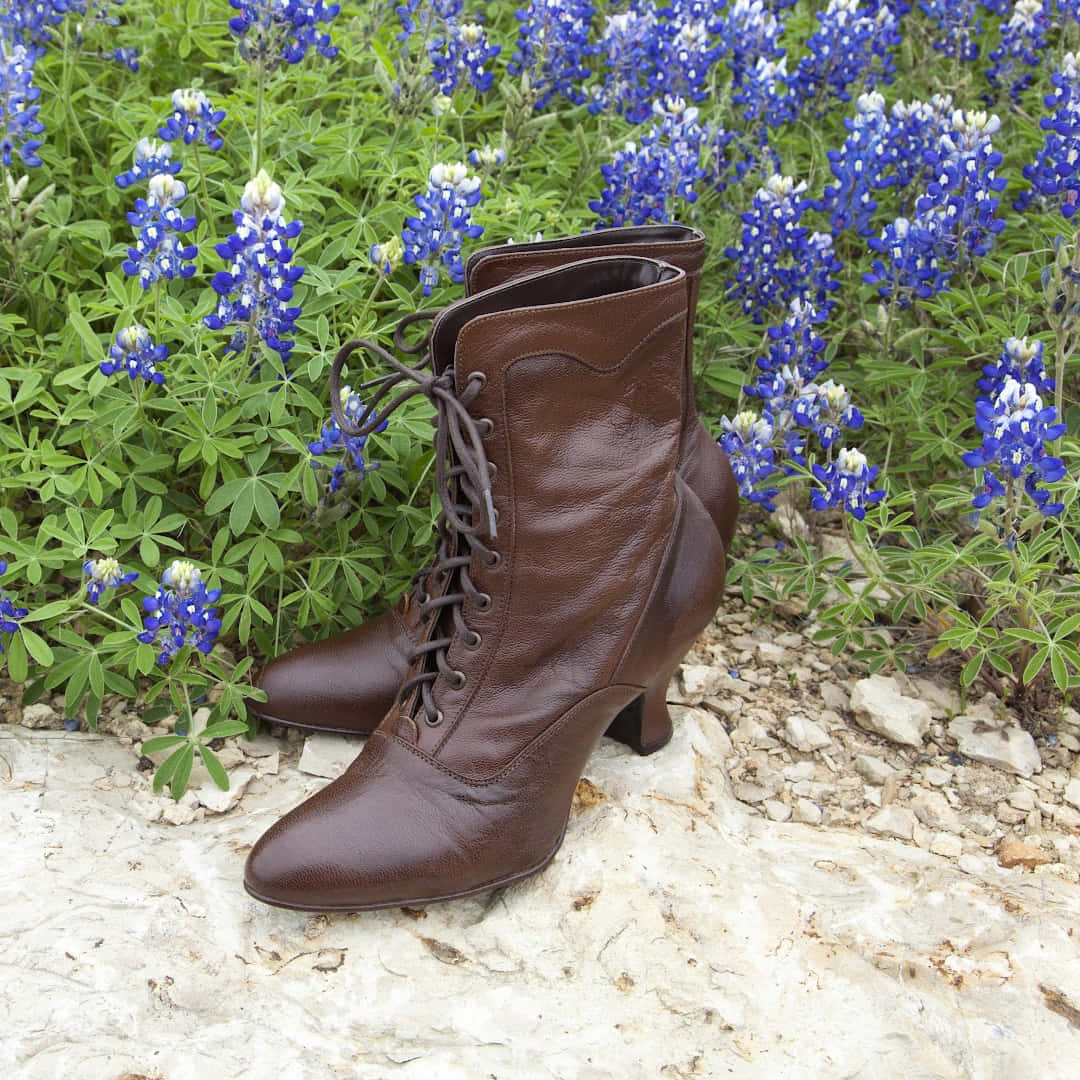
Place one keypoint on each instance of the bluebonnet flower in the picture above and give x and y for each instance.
(159, 252)
(682, 51)
(332, 439)
(910, 268)
(852, 47)
(859, 167)
(956, 220)
(136, 355)
(127, 56)
(758, 91)
(750, 32)
(433, 239)
(194, 119)
(747, 440)
(182, 608)
(19, 123)
(846, 482)
(30, 23)
(151, 158)
(1020, 360)
(462, 50)
(552, 46)
(794, 402)
(778, 259)
(646, 178)
(958, 27)
(1016, 426)
(10, 612)
(104, 573)
(625, 47)
(1054, 176)
(387, 256)
(487, 157)
(272, 32)
(424, 17)
(256, 289)
(1022, 36)
(914, 131)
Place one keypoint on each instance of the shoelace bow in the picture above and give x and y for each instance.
(462, 481)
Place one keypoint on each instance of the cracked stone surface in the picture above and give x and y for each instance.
(678, 933)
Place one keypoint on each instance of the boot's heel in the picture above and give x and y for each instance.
(645, 724)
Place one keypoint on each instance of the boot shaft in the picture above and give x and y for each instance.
(582, 387)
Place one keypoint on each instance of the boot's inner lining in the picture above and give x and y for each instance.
(586, 280)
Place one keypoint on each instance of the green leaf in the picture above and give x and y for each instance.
(166, 769)
(178, 782)
(214, 767)
(36, 646)
(222, 729)
(162, 742)
(1035, 665)
(18, 668)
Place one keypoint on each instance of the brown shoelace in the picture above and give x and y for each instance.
(462, 481)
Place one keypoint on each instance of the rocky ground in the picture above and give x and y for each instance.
(824, 874)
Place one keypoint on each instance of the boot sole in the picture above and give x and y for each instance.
(487, 887)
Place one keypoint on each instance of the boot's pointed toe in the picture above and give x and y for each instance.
(343, 685)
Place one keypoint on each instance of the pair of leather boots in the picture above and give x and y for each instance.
(586, 517)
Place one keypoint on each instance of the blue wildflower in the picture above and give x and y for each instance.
(104, 573)
(958, 27)
(955, 221)
(256, 289)
(272, 32)
(151, 158)
(1020, 360)
(748, 442)
(552, 46)
(424, 17)
(852, 47)
(625, 47)
(332, 439)
(463, 50)
(136, 354)
(1054, 176)
(10, 612)
(128, 57)
(194, 119)
(487, 158)
(19, 123)
(182, 608)
(433, 239)
(1022, 36)
(387, 256)
(846, 482)
(1016, 426)
(778, 259)
(159, 252)
(646, 179)
(29, 24)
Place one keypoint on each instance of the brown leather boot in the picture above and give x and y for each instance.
(345, 684)
(579, 567)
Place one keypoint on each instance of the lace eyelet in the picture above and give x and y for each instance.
(486, 426)
(483, 602)
(494, 561)
(433, 722)
(472, 640)
(457, 679)
(478, 376)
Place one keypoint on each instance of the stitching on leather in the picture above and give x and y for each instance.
(524, 754)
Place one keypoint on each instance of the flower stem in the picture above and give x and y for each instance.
(204, 206)
(260, 96)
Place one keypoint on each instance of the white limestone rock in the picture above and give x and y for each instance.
(893, 820)
(1001, 744)
(805, 735)
(218, 801)
(880, 706)
(328, 755)
(40, 715)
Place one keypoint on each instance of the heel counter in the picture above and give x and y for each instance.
(707, 472)
(685, 597)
